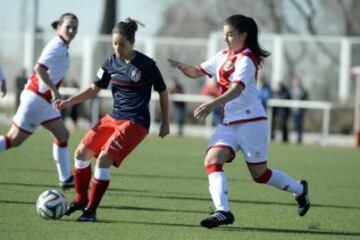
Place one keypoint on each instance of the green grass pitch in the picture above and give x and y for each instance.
(161, 192)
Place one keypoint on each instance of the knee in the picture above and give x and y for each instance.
(262, 178)
(80, 153)
(63, 137)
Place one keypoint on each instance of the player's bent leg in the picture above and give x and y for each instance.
(218, 187)
(14, 138)
(262, 174)
(99, 186)
(60, 152)
(82, 177)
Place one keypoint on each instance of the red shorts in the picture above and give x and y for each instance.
(116, 137)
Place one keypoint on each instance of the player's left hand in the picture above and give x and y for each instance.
(202, 111)
(164, 130)
(59, 104)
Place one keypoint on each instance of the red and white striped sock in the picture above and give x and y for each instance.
(82, 177)
(4, 143)
(62, 160)
(284, 182)
(99, 186)
(218, 187)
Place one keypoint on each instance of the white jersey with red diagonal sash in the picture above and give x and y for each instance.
(237, 67)
(55, 59)
(35, 106)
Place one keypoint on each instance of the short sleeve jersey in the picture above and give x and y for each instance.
(131, 86)
(55, 58)
(236, 67)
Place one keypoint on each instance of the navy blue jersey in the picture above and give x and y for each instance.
(131, 85)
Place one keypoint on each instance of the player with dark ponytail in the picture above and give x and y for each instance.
(244, 125)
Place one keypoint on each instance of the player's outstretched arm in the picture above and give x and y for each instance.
(187, 70)
(164, 106)
(86, 94)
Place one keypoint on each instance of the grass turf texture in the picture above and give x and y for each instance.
(161, 192)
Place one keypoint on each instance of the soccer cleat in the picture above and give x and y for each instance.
(302, 200)
(73, 207)
(218, 218)
(68, 183)
(87, 216)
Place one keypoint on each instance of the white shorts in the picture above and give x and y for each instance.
(250, 137)
(33, 111)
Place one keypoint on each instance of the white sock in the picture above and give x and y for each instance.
(218, 187)
(284, 182)
(80, 164)
(62, 159)
(2, 143)
(102, 173)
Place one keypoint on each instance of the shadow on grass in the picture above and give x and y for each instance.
(246, 229)
(139, 193)
(132, 175)
(113, 207)
(297, 231)
(229, 228)
(194, 198)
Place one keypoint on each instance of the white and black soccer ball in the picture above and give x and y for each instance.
(51, 204)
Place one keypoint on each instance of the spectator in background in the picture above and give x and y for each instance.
(265, 92)
(20, 82)
(180, 106)
(281, 114)
(212, 89)
(298, 92)
(75, 109)
(3, 88)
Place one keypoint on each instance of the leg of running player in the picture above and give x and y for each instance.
(14, 138)
(60, 151)
(99, 186)
(218, 186)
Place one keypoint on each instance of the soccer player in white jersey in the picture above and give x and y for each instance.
(3, 89)
(244, 125)
(35, 107)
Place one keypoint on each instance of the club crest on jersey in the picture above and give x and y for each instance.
(228, 65)
(135, 75)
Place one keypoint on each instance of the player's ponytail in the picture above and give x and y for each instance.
(127, 28)
(55, 24)
(247, 24)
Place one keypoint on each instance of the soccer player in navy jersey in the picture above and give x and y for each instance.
(244, 125)
(132, 76)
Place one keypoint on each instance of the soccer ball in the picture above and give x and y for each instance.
(51, 204)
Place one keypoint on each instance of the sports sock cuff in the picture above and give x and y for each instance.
(265, 177)
(80, 164)
(7, 141)
(103, 174)
(213, 168)
(61, 144)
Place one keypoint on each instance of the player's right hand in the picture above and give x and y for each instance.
(173, 63)
(58, 104)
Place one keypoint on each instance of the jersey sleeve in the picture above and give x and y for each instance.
(49, 55)
(245, 71)
(155, 77)
(209, 66)
(103, 77)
